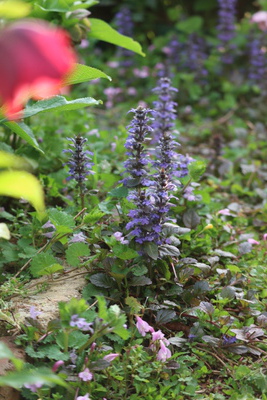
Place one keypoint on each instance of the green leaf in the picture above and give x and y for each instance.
(169, 250)
(140, 281)
(102, 31)
(93, 216)
(102, 280)
(21, 184)
(191, 219)
(119, 192)
(14, 9)
(122, 332)
(25, 132)
(54, 5)
(164, 316)
(4, 231)
(196, 170)
(152, 250)
(139, 270)
(90, 291)
(44, 264)
(75, 251)
(190, 25)
(59, 103)
(83, 73)
(5, 352)
(102, 308)
(30, 376)
(76, 339)
(9, 160)
(51, 351)
(134, 304)
(60, 218)
(123, 252)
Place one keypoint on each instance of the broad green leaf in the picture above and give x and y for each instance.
(21, 184)
(54, 5)
(151, 250)
(102, 308)
(58, 103)
(76, 339)
(102, 31)
(124, 252)
(190, 25)
(93, 216)
(51, 351)
(75, 251)
(30, 376)
(134, 304)
(102, 280)
(4, 231)
(41, 263)
(5, 352)
(140, 281)
(83, 73)
(61, 218)
(196, 170)
(24, 131)
(14, 9)
(86, 4)
(8, 160)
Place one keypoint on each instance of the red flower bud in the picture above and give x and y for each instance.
(35, 60)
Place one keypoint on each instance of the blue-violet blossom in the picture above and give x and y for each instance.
(226, 28)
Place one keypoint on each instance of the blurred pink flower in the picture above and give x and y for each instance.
(260, 18)
(85, 397)
(224, 211)
(265, 236)
(253, 241)
(142, 326)
(164, 353)
(57, 365)
(110, 357)
(141, 73)
(35, 60)
(113, 64)
(86, 375)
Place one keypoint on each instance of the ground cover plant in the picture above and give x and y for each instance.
(150, 187)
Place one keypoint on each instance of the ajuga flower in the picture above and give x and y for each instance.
(170, 165)
(196, 55)
(165, 113)
(35, 60)
(144, 221)
(257, 59)
(124, 24)
(135, 144)
(80, 164)
(226, 28)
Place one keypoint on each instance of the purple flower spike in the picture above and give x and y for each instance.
(257, 59)
(80, 164)
(226, 28)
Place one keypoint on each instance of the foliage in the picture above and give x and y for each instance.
(202, 283)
